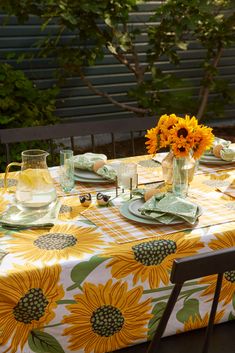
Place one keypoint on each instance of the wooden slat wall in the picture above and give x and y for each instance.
(76, 101)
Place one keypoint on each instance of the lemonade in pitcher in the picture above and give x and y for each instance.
(35, 187)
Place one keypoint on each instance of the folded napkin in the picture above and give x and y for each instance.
(219, 141)
(14, 216)
(168, 208)
(228, 154)
(86, 161)
(107, 171)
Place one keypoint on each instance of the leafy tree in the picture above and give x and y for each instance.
(22, 104)
(101, 26)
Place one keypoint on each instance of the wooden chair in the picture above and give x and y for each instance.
(197, 341)
(71, 130)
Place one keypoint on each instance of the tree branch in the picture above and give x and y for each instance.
(110, 99)
(206, 90)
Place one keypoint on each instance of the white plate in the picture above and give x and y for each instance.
(206, 159)
(125, 211)
(134, 206)
(99, 181)
(87, 174)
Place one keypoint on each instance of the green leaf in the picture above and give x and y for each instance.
(157, 314)
(41, 342)
(234, 301)
(190, 308)
(87, 221)
(182, 45)
(231, 316)
(83, 269)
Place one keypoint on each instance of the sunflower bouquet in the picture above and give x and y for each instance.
(183, 135)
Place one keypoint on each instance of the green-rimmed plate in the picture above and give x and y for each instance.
(87, 176)
(130, 211)
(211, 159)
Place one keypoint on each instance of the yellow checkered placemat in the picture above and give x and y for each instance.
(123, 230)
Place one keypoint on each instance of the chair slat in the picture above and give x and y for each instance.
(203, 265)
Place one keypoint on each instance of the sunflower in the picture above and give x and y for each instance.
(107, 317)
(60, 242)
(70, 208)
(151, 260)
(203, 139)
(27, 300)
(195, 322)
(152, 143)
(181, 147)
(182, 128)
(3, 203)
(225, 240)
(166, 129)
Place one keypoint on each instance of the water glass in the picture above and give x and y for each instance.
(127, 177)
(66, 170)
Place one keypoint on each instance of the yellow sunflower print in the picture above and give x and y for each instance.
(60, 242)
(195, 322)
(3, 203)
(107, 317)
(151, 260)
(70, 208)
(19, 293)
(225, 240)
(12, 180)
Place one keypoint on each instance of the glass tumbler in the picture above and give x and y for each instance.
(66, 170)
(127, 176)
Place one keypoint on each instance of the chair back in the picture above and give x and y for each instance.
(188, 268)
(77, 129)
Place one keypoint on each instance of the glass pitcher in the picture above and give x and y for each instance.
(35, 187)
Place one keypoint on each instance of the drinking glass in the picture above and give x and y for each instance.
(127, 177)
(66, 170)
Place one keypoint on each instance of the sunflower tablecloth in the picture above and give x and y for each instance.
(96, 282)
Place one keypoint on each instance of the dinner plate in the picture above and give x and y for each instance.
(211, 159)
(124, 210)
(87, 174)
(134, 209)
(135, 204)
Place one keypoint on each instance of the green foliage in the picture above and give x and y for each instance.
(22, 104)
(102, 26)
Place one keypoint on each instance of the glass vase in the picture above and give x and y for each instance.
(167, 170)
(183, 172)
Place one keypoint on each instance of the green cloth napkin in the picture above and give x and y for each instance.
(168, 208)
(15, 216)
(219, 141)
(86, 161)
(107, 171)
(228, 154)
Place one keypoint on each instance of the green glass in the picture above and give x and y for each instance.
(180, 177)
(66, 170)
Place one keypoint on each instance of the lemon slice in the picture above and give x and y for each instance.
(33, 178)
(26, 178)
(46, 177)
